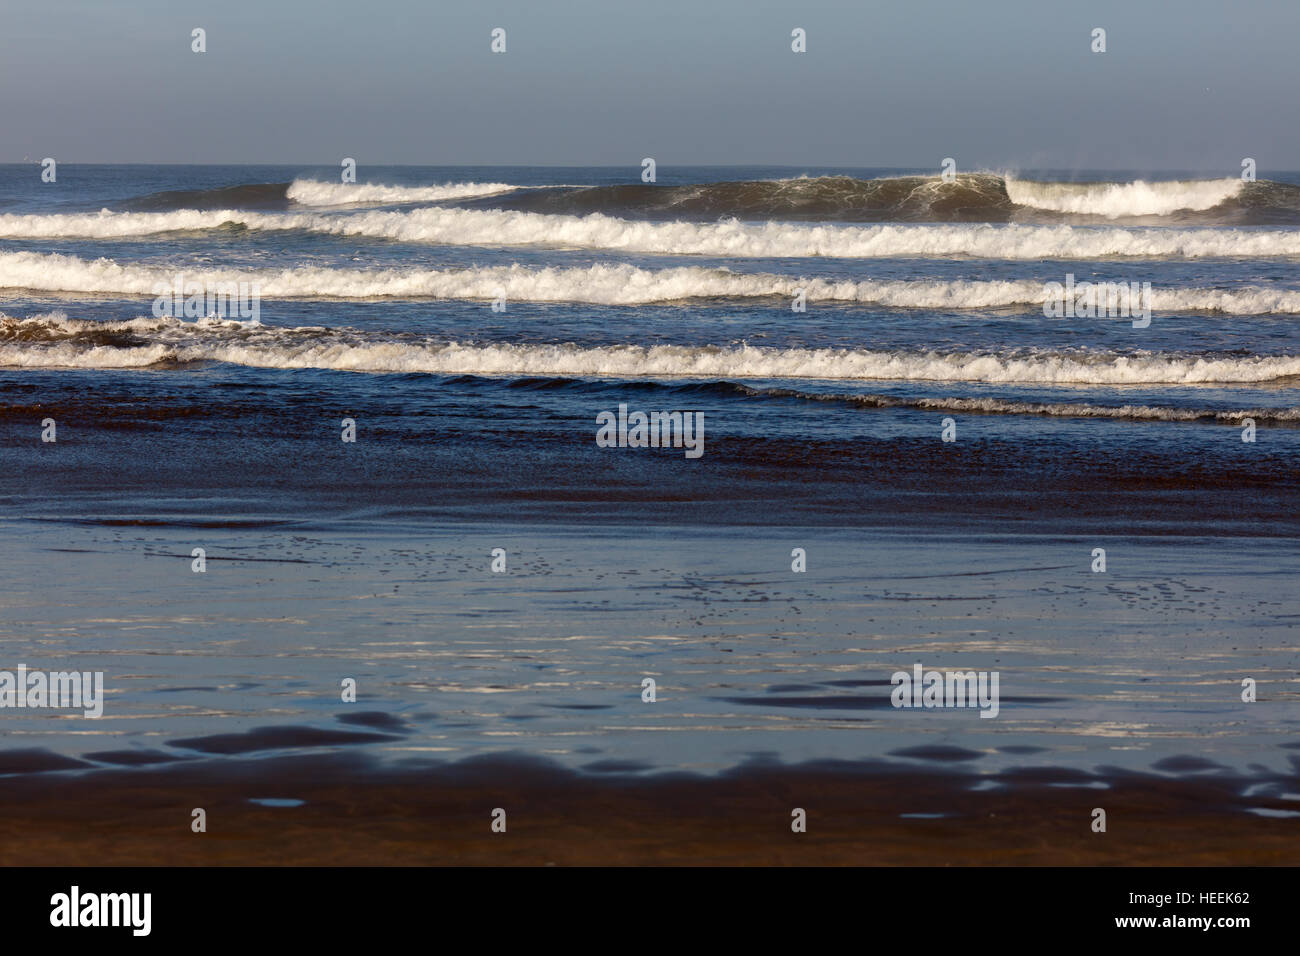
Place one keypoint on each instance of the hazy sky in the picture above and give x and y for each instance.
(1188, 85)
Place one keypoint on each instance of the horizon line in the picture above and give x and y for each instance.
(1232, 172)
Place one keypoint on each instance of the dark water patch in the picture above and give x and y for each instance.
(37, 760)
(233, 524)
(930, 597)
(377, 719)
(278, 738)
(528, 383)
(971, 574)
(1186, 763)
(840, 702)
(580, 706)
(180, 690)
(941, 753)
(617, 766)
(253, 196)
(430, 469)
(132, 758)
(1048, 775)
(232, 558)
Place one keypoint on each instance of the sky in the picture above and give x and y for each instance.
(1001, 84)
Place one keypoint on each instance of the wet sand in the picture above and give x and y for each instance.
(478, 691)
(356, 813)
(1129, 668)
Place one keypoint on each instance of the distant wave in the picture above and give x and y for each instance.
(305, 192)
(972, 196)
(475, 227)
(967, 197)
(613, 284)
(54, 340)
(311, 192)
(268, 196)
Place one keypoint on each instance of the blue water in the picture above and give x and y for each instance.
(477, 425)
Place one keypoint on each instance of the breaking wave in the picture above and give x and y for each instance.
(968, 197)
(54, 340)
(311, 192)
(305, 192)
(732, 238)
(613, 284)
(1117, 200)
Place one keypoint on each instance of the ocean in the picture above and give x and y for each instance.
(882, 398)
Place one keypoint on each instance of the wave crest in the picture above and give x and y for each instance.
(1118, 200)
(311, 192)
(729, 239)
(54, 340)
(615, 284)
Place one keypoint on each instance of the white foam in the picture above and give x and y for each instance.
(784, 240)
(601, 284)
(111, 225)
(1115, 200)
(478, 227)
(311, 192)
(252, 344)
